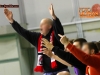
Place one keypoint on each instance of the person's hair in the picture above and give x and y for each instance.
(71, 41)
(93, 45)
(81, 41)
(98, 45)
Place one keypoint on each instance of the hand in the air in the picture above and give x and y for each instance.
(47, 52)
(47, 44)
(64, 40)
(51, 10)
(8, 15)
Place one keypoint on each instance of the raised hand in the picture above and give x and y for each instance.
(8, 15)
(51, 10)
(64, 40)
(47, 44)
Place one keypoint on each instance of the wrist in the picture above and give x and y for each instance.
(53, 56)
(54, 16)
(11, 21)
(65, 44)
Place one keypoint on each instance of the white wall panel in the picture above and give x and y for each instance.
(93, 35)
(12, 68)
(8, 48)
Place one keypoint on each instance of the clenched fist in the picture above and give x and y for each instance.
(8, 15)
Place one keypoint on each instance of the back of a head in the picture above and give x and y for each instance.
(81, 41)
(93, 45)
(98, 45)
(71, 41)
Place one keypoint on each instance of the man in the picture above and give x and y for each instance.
(79, 67)
(49, 30)
(90, 56)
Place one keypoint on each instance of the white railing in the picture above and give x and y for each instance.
(71, 23)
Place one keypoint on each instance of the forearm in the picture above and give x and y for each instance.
(17, 27)
(61, 60)
(68, 57)
(58, 26)
(54, 17)
(32, 37)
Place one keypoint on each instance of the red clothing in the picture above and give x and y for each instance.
(93, 61)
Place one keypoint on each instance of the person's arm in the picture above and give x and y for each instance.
(68, 57)
(52, 55)
(30, 36)
(57, 26)
(90, 60)
(61, 60)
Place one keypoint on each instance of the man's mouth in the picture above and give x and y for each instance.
(41, 29)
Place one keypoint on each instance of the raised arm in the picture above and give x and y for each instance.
(79, 54)
(30, 36)
(83, 57)
(57, 26)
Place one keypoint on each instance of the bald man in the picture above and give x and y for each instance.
(48, 29)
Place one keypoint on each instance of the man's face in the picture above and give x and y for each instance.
(45, 27)
(77, 44)
(85, 49)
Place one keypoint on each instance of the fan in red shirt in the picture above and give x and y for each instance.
(90, 56)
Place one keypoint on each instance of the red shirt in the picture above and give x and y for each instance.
(92, 61)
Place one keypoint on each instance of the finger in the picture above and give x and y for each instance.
(43, 45)
(51, 5)
(45, 40)
(11, 12)
(60, 35)
(5, 10)
(44, 49)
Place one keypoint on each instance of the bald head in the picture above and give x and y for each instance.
(47, 21)
(46, 25)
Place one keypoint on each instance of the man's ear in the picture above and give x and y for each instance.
(50, 26)
(92, 51)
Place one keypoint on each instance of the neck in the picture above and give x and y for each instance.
(45, 33)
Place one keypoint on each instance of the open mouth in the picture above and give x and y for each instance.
(41, 29)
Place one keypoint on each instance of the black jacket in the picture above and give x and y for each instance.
(68, 57)
(33, 37)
